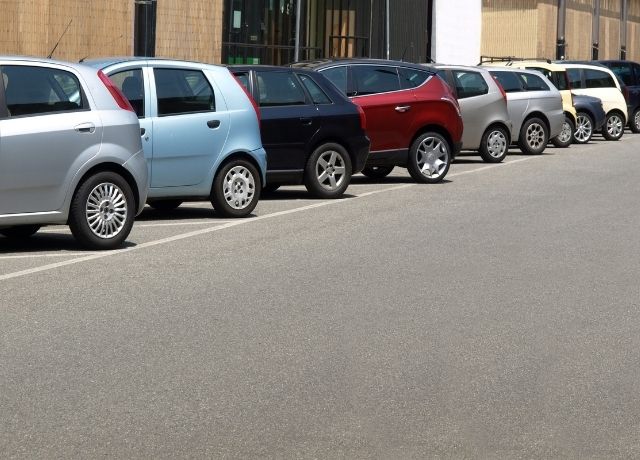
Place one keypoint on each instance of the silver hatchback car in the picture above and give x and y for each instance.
(70, 152)
(483, 104)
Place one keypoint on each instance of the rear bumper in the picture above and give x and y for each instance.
(457, 146)
(359, 147)
(137, 167)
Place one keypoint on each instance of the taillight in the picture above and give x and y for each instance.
(504, 94)
(120, 99)
(625, 92)
(363, 118)
(253, 101)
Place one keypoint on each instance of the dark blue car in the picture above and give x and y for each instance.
(628, 74)
(590, 117)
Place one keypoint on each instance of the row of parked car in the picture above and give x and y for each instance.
(89, 144)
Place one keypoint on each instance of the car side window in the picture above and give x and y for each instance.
(337, 76)
(41, 90)
(469, 84)
(131, 83)
(624, 72)
(575, 78)
(508, 80)
(243, 79)
(636, 71)
(183, 91)
(278, 89)
(412, 78)
(318, 96)
(370, 79)
(598, 79)
(533, 82)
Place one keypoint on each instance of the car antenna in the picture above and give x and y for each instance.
(410, 45)
(58, 42)
(109, 43)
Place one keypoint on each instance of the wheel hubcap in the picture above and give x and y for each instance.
(106, 210)
(330, 170)
(565, 134)
(636, 119)
(239, 187)
(432, 157)
(496, 144)
(583, 130)
(535, 136)
(614, 125)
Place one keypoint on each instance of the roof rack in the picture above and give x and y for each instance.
(484, 59)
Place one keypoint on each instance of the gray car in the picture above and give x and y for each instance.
(70, 153)
(483, 104)
(535, 107)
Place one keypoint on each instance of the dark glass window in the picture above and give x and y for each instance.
(182, 91)
(131, 84)
(371, 79)
(558, 77)
(533, 82)
(317, 95)
(40, 90)
(575, 78)
(243, 78)
(624, 72)
(337, 76)
(508, 80)
(279, 88)
(469, 84)
(636, 71)
(412, 78)
(598, 79)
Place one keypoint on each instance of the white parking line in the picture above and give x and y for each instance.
(37, 256)
(235, 223)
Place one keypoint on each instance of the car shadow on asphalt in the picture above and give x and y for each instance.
(182, 212)
(285, 194)
(44, 241)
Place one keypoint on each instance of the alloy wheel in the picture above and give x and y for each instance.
(106, 210)
(636, 120)
(583, 129)
(496, 144)
(536, 137)
(565, 133)
(239, 187)
(432, 157)
(330, 170)
(615, 126)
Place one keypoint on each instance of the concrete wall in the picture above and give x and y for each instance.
(456, 34)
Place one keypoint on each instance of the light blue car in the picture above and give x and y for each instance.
(200, 132)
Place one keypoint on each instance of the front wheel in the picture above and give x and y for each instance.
(236, 189)
(635, 121)
(377, 172)
(429, 158)
(584, 128)
(20, 232)
(102, 211)
(494, 145)
(534, 136)
(328, 171)
(563, 139)
(613, 127)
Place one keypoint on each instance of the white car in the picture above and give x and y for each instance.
(600, 82)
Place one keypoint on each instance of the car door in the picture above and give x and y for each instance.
(288, 118)
(47, 133)
(189, 126)
(517, 99)
(470, 88)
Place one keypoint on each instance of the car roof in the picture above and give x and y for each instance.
(12, 58)
(551, 66)
(267, 68)
(101, 63)
(323, 63)
(458, 67)
(513, 69)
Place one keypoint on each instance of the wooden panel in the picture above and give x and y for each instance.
(509, 28)
(578, 29)
(547, 27)
(609, 38)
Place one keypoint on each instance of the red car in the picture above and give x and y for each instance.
(413, 119)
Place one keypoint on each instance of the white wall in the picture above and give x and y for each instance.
(457, 29)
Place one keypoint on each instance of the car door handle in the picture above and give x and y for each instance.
(306, 121)
(213, 124)
(85, 128)
(403, 108)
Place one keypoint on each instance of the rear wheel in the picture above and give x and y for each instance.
(20, 231)
(635, 121)
(377, 172)
(429, 158)
(563, 139)
(328, 171)
(236, 189)
(165, 205)
(494, 145)
(613, 127)
(534, 136)
(584, 128)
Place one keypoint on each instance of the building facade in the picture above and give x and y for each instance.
(276, 31)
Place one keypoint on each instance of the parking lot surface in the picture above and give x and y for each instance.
(494, 315)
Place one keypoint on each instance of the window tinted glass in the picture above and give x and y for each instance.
(533, 82)
(38, 90)
(636, 71)
(243, 78)
(181, 91)
(558, 77)
(469, 84)
(279, 88)
(575, 78)
(509, 81)
(337, 76)
(623, 72)
(131, 84)
(375, 79)
(598, 79)
(317, 95)
(412, 78)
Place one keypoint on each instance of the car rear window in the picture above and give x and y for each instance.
(469, 84)
(371, 79)
(32, 90)
(533, 82)
(412, 78)
(278, 89)
(509, 81)
(598, 79)
(317, 95)
(183, 91)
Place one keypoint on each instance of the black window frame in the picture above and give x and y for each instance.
(181, 69)
(360, 66)
(144, 93)
(464, 95)
(307, 98)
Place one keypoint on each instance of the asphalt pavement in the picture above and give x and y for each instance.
(495, 315)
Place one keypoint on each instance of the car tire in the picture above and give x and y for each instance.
(102, 211)
(270, 188)
(164, 205)
(534, 136)
(236, 189)
(584, 129)
(20, 232)
(613, 128)
(635, 121)
(429, 158)
(563, 140)
(377, 172)
(328, 171)
(494, 145)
